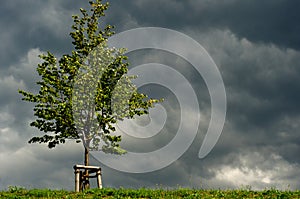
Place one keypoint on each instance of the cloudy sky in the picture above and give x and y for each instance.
(256, 46)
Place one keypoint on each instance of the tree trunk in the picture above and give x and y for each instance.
(86, 156)
(86, 173)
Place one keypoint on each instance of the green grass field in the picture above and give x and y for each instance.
(15, 192)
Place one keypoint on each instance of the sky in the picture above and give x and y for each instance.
(256, 47)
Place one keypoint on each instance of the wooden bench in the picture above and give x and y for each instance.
(80, 177)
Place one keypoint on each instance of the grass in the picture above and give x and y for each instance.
(15, 192)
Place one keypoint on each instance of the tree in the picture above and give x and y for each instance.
(85, 93)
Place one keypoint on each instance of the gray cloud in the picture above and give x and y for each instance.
(259, 21)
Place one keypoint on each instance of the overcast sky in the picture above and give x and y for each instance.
(256, 46)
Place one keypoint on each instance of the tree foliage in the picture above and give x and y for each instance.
(83, 94)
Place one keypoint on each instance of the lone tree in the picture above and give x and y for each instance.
(85, 93)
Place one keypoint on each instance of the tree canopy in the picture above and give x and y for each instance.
(83, 94)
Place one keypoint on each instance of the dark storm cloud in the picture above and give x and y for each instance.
(263, 113)
(33, 24)
(263, 21)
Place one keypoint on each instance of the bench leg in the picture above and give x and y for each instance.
(99, 180)
(77, 180)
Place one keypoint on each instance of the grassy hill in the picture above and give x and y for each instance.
(15, 193)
